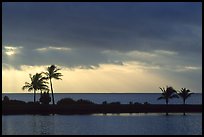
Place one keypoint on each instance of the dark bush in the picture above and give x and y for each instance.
(82, 101)
(104, 102)
(6, 100)
(137, 103)
(34, 103)
(15, 102)
(116, 103)
(45, 98)
(66, 101)
(146, 103)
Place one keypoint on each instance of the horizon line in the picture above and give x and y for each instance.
(93, 93)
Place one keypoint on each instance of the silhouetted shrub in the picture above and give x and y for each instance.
(130, 103)
(137, 103)
(116, 103)
(6, 99)
(16, 102)
(104, 102)
(82, 101)
(66, 101)
(34, 103)
(146, 103)
(45, 98)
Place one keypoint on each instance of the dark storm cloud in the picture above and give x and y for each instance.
(91, 28)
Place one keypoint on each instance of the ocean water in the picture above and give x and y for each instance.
(111, 124)
(123, 98)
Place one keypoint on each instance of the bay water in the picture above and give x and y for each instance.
(109, 124)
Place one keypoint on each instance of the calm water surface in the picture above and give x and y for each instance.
(130, 124)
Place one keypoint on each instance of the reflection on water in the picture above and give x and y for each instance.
(43, 125)
(101, 124)
(25, 124)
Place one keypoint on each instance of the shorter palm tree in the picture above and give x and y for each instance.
(37, 83)
(167, 94)
(184, 94)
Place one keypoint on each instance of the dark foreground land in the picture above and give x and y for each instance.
(13, 109)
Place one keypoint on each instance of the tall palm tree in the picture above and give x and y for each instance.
(184, 94)
(167, 94)
(37, 83)
(52, 73)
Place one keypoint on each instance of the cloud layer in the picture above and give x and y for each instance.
(164, 38)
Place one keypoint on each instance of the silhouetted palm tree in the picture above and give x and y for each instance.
(52, 73)
(167, 94)
(184, 94)
(37, 83)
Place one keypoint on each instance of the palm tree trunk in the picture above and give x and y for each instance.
(34, 96)
(53, 100)
(184, 107)
(167, 107)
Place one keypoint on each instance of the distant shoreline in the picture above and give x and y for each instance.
(94, 93)
(98, 98)
(33, 109)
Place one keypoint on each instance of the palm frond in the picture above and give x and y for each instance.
(174, 96)
(25, 87)
(160, 98)
(57, 70)
(30, 89)
(52, 72)
(189, 95)
(30, 75)
(162, 89)
(38, 82)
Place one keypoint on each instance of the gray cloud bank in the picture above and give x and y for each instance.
(97, 33)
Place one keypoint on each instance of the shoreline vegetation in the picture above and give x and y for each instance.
(68, 106)
(38, 82)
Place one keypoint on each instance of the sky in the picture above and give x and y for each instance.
(103, 47)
